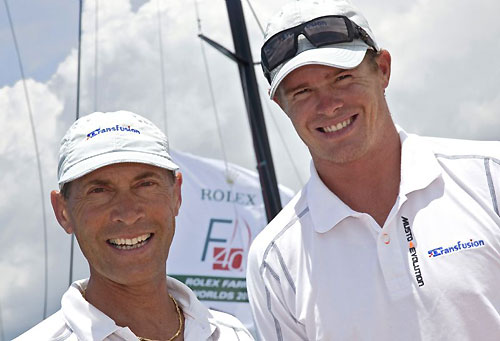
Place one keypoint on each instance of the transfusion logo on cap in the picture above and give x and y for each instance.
(111, 129)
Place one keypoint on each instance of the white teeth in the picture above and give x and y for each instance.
(128, 244)
(128, 247)
(338, 126)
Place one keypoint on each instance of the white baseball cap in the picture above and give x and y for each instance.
(101, 139)
(343, 55)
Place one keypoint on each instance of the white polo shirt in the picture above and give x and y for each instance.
(79, 320)
(321, 271)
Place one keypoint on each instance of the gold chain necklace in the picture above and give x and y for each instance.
(179, 317)
(179, 330)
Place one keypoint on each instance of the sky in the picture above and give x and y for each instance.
(444, 82)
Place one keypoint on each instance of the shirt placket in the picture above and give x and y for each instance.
(393, 263)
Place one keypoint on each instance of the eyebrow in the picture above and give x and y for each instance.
(147, 174)
(295, 88)
(331, 74)
(97, 182)
(144, 175)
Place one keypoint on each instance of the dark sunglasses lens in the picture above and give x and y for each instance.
(328, 30)
(279, 48)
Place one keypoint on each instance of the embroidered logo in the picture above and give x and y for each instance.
(413, 252)
(98, 131)
(458, 247)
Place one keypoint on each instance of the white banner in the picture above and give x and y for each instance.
(219, 217)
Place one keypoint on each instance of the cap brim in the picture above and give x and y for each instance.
(342, 56)
(109, 158)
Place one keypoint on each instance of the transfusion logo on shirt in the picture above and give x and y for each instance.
(413, 251)
(459, 246)
(111, 129)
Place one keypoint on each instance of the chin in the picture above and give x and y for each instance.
(343, 156)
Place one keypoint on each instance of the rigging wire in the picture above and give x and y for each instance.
(72, 247)
(212, 96)
(39, 167)
(230, 176)
(96, 53)
(269, 108)
(294, 166)
(256, 17)
(230, 179)
(162, 68)
(2, 335)
(79, 59)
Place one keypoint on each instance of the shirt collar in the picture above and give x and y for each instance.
(89, 323)
(200, 323)
(86, 321)
(326, 209)
(419, 168)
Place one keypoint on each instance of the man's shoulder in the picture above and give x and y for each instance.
(281, 229)
(229, 325)
(284, 220)
(458, 148)
(52, 328)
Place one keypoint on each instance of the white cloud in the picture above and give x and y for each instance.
(478, 119)
(21, 212)
(444, 55)
(15, 115)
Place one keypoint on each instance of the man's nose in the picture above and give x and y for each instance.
(328, 102)
(127, 209)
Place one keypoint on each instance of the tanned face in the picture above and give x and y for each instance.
(341, 115)
(123, 217)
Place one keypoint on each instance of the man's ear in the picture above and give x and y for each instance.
(280, 99)
(177, 191)
(60, 207)
(384, 65)
(276, 100)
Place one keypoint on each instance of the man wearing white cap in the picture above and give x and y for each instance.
(395, 236)
(119, 194)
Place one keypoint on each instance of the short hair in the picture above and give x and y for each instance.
(371, 56)
(65, 190)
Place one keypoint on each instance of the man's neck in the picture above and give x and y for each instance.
(146, 308)
(369, 184)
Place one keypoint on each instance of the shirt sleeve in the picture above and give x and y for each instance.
(269, 293)
(493, 174)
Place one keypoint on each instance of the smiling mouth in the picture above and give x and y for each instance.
(130, 244)
(339, 126)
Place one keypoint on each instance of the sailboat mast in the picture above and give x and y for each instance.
(262, 150)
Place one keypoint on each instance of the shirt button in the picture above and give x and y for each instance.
(386, 239)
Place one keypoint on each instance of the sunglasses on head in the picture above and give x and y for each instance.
(327, 30)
